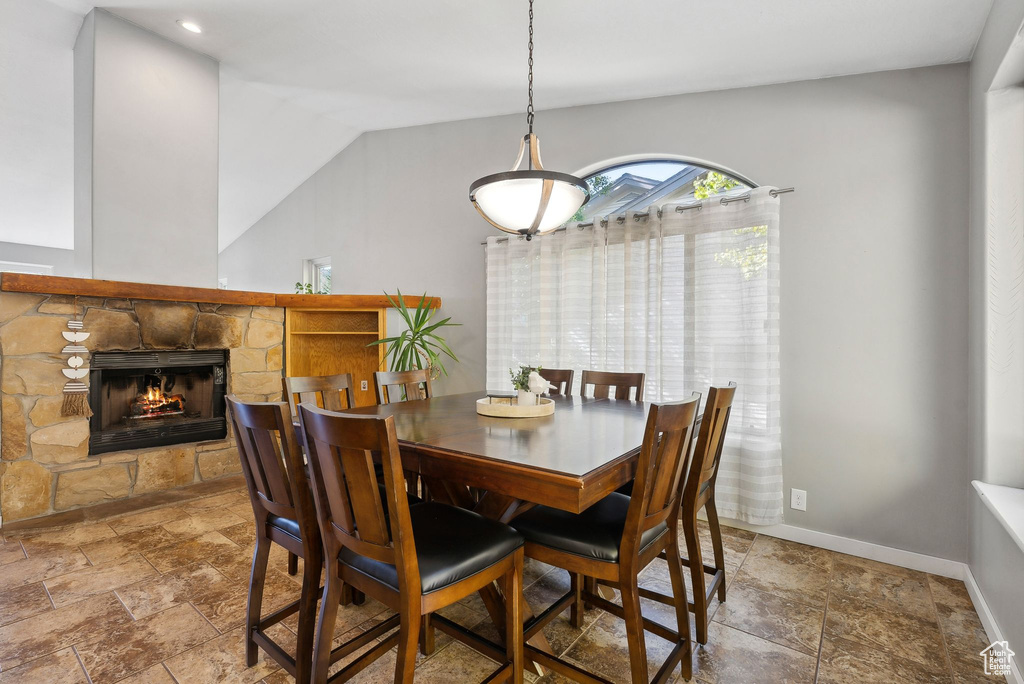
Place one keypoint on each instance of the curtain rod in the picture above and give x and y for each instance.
(680, 209)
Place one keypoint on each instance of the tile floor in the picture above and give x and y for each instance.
(158, 597)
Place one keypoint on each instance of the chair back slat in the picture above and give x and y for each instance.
(331, 392)
(603, 383)
(666, 448)
(348, 502)
(272, 464)
(707, 455)
(402, 385)
(561, 379)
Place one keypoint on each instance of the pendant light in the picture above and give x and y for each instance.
(532, 200)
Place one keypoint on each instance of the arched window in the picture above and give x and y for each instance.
(637, 184)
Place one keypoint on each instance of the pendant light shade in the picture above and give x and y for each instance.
(532, 200)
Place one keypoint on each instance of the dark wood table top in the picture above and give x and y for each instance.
(569, 460)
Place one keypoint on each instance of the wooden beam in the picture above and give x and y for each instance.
(345, 301)
(85, 287)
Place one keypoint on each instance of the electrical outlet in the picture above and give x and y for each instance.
(798, 499)
(363, 386)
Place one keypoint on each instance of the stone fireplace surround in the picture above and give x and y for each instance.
(45, 465)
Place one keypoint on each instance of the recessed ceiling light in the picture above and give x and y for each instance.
(189, 26)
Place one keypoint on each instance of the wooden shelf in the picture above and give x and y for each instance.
(334, 332)
(115, 289)
(328, 341)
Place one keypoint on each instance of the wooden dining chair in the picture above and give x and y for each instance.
(332, 392)
(413, 559)
(699, 492)
(622, 382)
(561, 379)
(615, 539)
(275, 475)
(414, 384)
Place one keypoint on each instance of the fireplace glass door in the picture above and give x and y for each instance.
(149, 399)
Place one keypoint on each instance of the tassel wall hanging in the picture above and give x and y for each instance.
(76, 392)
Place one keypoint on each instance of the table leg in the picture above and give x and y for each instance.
(495, 507)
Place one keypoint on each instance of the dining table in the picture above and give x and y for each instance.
(500, 467)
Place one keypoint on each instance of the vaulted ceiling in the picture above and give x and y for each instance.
(302, 78)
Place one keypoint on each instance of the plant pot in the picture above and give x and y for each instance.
(526, 398)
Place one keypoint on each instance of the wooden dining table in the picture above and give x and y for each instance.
(500, 467)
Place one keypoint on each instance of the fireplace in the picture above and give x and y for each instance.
(156, 398)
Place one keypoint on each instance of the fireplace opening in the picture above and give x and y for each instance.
(149, 399)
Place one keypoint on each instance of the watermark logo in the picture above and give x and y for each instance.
(997, 658)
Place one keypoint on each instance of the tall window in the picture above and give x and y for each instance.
(689, 296)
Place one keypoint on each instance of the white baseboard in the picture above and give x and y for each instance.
(904, 559)
(861, 549)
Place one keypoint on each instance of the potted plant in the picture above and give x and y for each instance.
(521, 383)
(419, 346)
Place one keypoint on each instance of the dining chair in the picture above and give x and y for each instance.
(622, 382)
(561, 379)
(699, 492)
(615, 539)
(413, 559)
(332, 392)
(415, 384)
(275, 476)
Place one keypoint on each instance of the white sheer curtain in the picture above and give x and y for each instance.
(691, 298)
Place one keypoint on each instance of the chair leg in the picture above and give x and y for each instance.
(293, 564)
(716, 543)
(576, 612)
(634, 630)
(590, 585)
(257, 578)
(514, 617)
(307, 620)
(325, 624)
(675, 571)
(700, 598)
(426, 636)
(408, 638)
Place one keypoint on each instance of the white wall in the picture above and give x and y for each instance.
(874, 264)
(153, 120)
(36, 176)
(996, 326)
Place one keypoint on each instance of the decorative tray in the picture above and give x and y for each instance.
(507, 407)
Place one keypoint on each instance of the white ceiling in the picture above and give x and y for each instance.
(302, 78)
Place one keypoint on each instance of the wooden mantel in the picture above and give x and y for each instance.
(84, 287)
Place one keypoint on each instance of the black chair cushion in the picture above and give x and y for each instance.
(451, 545)
(291, 527)
(594, 533)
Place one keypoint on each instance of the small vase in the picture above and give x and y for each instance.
(526, 398)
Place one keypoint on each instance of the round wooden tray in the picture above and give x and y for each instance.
(508, 408)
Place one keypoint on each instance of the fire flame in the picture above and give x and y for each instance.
(155, 402)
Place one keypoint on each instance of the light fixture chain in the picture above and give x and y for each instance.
(529, 107)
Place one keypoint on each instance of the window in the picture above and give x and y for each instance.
(688, 296)
(316, 276)
(634, 186)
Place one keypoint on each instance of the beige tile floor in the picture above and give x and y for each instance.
(159, 597)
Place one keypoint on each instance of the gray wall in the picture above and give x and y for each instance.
(874, 264)
(151, 108)
(62, 260)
